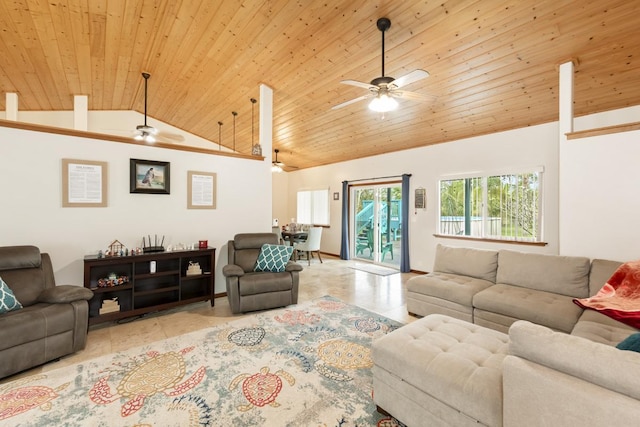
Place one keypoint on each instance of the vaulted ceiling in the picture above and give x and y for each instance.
(493, 65)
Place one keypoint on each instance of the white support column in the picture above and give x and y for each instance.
(266, 121)
(566, 99)
(565, 125)
(80, 112)
(266, 141)
(12, 106)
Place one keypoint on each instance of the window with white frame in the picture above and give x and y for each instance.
(495, 206)
(313, 207)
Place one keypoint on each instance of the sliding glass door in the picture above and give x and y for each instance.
(376, 225)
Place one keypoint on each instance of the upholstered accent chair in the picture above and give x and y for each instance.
(251, 290)
(312, 244)
(49, 322)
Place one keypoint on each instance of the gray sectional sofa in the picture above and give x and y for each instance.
(501, 343)
(496, 288)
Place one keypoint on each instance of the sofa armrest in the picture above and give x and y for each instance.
(231, 270)
(65, 294)
(600, 364)
(293, 266)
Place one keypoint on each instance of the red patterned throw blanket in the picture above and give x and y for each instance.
(619, 298)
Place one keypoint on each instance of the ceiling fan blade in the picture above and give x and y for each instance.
(358, 84)
(352, 101)
(413, 96)
(413, 76)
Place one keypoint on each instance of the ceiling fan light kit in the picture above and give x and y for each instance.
(383, 103)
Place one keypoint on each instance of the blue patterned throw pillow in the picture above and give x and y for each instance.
(631, 343)
(273, 258)
(8, 300)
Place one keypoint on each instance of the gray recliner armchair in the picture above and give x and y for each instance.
(54, 319)
(250, 290)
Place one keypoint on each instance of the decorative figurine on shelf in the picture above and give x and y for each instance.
(194, 269)
(109, 306)
(115, 249)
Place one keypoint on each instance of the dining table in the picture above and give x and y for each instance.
(294, 237)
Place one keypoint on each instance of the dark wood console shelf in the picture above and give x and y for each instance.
(145, 291)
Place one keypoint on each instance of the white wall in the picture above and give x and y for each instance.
(600, 190)
(501, 152)
(280, 198)
(32, 212)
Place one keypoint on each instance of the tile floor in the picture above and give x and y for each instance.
(381, 294)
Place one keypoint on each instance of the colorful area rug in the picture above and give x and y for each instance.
(305, 365)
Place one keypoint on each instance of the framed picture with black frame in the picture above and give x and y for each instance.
(149, 176)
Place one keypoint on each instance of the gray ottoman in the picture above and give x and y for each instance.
(440, 371)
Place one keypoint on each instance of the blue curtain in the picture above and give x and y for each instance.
(405, 265)
(344, 242)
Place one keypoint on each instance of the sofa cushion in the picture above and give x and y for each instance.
(17, 257)
(601, 271)
(545, 308)
(596, 363)
(8, 300)
(478, 263)
(273, 258)
(35, 322)
(597, 327)
(254, 240)
(450, 287)
(263, 282)
(562, 275)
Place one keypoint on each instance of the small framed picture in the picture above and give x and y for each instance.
(149, 176)
(201, 190)
(84, 183)
(336, 196)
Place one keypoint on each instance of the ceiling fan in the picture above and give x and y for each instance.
(277, 166)
(149, 133)
(385, 89)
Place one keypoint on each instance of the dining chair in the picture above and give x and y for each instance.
(278, 231)
(312, 244)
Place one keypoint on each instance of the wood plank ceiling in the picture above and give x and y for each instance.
(493, 65)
